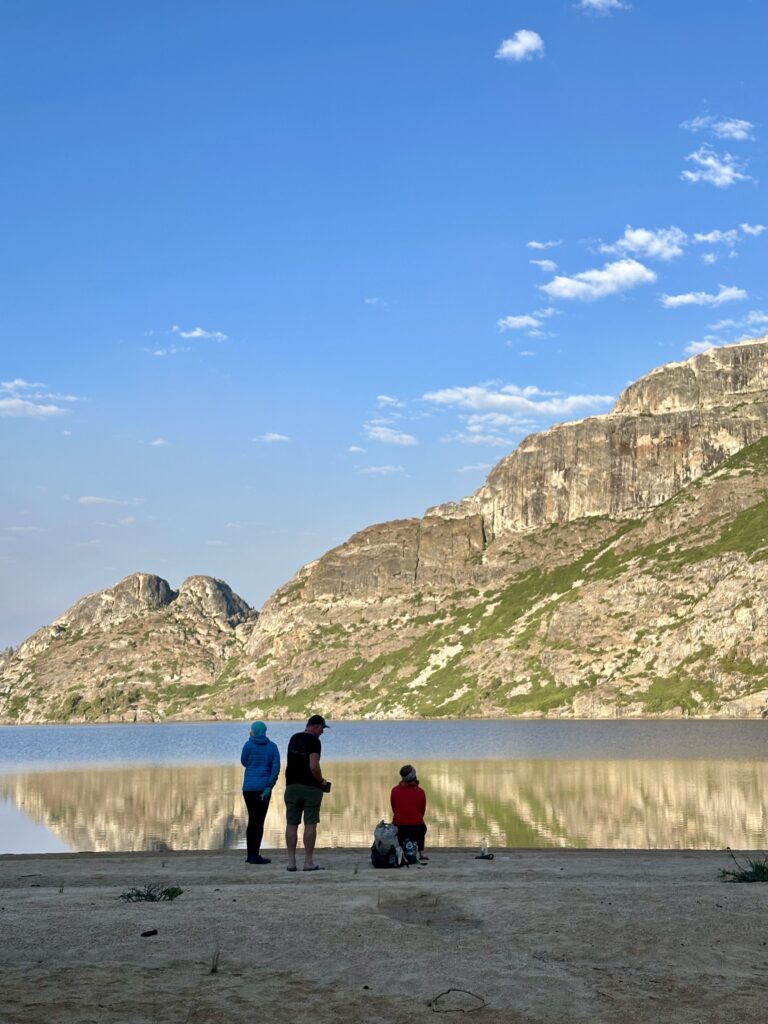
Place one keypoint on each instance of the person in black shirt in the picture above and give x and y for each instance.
(304, 788)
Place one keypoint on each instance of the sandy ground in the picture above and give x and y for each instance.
(532, 936)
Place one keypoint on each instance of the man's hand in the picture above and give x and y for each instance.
(266, 793)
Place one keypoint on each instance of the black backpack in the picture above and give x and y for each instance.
(386, 851)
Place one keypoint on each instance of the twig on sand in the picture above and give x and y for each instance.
(456, 1000)
(215, 960)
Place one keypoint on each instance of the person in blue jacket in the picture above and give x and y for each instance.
(261, 760)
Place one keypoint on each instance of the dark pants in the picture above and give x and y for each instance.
(414, 832)
(257, 812)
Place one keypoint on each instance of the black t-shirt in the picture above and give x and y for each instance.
(300, 746)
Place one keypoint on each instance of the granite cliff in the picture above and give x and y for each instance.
(611, 566)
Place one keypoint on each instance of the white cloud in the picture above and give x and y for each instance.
(28, 399)
(271, 438)
(91, 499)
(710, 257)
(726, 294)
(524, 45)
(22, 407)
(729, 238)
(721, 127)
(158, 442)
(597, 284)
(752, 229)
(198, 332)
(517, 323)
(384, 401)
(530, 322)
(514, 401)
(544, 245)
(696, 347)
(526, 353)
(663, 243)
(478, 467)
(602, 6)
(549, 266)
(388, 436)
(720, 170)
(23, 529)
(754, 318)
(376, 301)
(381, 470)
(171, 350)
(356, 448)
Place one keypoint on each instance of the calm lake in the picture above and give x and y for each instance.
(653, 784)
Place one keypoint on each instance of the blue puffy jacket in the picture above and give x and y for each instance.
(261, 760)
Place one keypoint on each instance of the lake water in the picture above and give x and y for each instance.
(646, 785)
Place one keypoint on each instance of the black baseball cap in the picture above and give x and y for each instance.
(318, 720)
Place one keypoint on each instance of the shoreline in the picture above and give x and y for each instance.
(540, 936)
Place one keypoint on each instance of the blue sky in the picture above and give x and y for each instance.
(274, 271)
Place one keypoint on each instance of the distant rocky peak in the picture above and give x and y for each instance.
(137, 594)
(209, 597)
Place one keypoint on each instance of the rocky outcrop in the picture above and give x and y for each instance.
(134, 652)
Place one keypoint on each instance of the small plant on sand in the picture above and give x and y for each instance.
(748, 870)
(153, 893)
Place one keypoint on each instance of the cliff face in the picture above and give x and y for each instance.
(614, 565)
(665, 431)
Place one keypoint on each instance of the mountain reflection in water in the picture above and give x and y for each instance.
(538, 803)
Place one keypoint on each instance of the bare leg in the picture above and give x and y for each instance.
(291, 839)
(310, 835)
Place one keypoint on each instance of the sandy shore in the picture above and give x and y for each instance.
(532, 936)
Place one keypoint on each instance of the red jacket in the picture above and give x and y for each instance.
(408, 804)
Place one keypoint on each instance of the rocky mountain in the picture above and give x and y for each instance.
(611, 566)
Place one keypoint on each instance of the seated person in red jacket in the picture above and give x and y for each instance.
(409, 802)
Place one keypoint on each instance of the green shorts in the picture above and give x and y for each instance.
(300, 798)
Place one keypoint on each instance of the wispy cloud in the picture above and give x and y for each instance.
(389, 401)
(721, 127)
(518, 323)
(695, 348)
(198, 333)
(524, 45)
(23, 529)
(381, 470)
(597, 284)
(92, 499)
(497, 415)
(661, 243)
(531, 323)
(270, 438)
(726, 293)
(388, 436)
(549, 266)
(544, 245)
(355, 448)
(752, 229)
(717, 237)
(720, 170)
(29, 399)
(477, 467)
(601, 6)
(375, 300)
(731, 330)
(158, 442)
